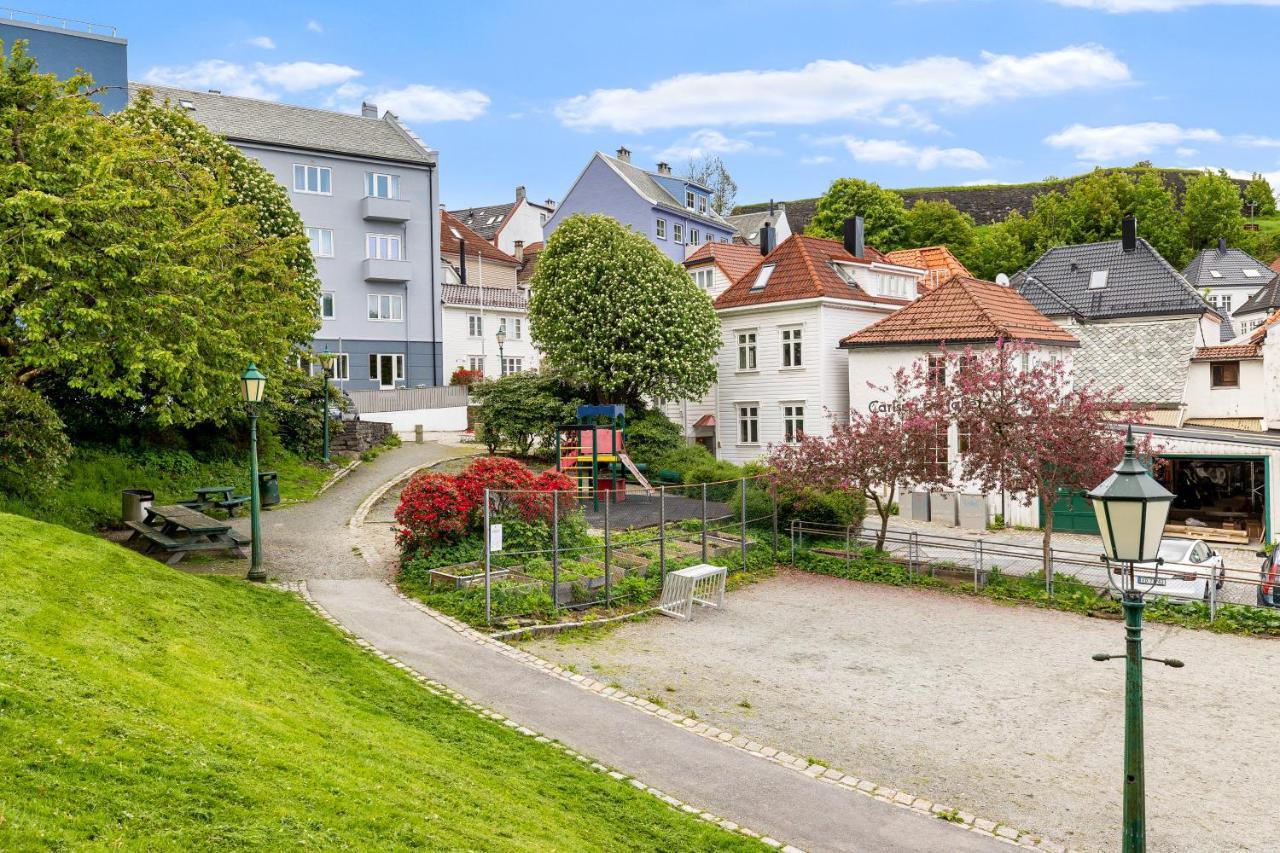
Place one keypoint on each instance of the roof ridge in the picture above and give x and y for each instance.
(264, 101)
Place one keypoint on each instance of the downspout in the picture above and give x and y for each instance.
(433, 234)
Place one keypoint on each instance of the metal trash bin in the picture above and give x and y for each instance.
(268, 488)
(134, 504)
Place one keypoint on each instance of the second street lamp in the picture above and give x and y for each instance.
(1132, 508)
(253, 387)
(326, 364)
(502, 362)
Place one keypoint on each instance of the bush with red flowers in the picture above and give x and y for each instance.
(536, 504)
(502, 476)
(463, 376)
(433, 509)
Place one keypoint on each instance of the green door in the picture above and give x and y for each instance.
(1072, 513)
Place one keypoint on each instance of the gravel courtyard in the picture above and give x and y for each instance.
(995, 710)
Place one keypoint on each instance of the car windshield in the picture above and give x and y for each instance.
(1174, 552)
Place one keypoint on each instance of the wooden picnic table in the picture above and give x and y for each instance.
(209, 494)
(177, 530)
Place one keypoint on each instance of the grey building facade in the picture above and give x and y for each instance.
(61, 46)
(367, 190)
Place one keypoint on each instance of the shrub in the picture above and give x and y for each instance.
(33, 447)
(834, 507)
(501, 476)
(685, 458)
(651, 435)
(463, 376)
(545, 489)
(715, 471)
(433, 509)
(519, 410)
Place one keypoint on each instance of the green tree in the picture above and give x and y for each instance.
(1095, 205)
(1159, 223)
(131, 273)
(519, 410)
(1211, 210)
(939, 223)
(33, 448)
(1260, 196)
(613, 314)
(996, 249)
(882, 211)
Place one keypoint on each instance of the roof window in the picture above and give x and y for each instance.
(1098, 279)
(1215, 273)
(186, 104)
(1251, 273)
(845, 271)
(762, 278)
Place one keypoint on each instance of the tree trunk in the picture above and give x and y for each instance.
(1046, 545)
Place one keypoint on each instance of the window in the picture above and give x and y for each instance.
(1224, 374)
(1098, 279)
(937, 375)
(321, 242)
(475, 325)
(475, 363)
(748, 423)
(1215, 273)
(792, 422)
(702, 204)
(762, 277)
(379, 185)
(747, 350)
(677, 231)
(693, 236)
(511, 327)
(660, 229)
(964, 433)
(312, 179)
(965, 362)
(704, 278)
(1251, 273)
(326, 305)
(386, 306)
(386, 368)
(1213, 300)
(895, 285)
(845, 271)
(512, 365)
(688, 199)
(384, 247)
(542, 219)
(938, 448)
(791, 354)
(1026, 361)
(339, 367)
(1226, 302)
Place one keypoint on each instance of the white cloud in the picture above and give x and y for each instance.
(1250, 141)
(1186, 152)
(700, 143)
(1122, 141)
(264, 42)
(902, 153)
(314, 26)
(817, 160)
(419, 102)
(302, 76)
(228, 77)
(839, 89)
(1121, 7)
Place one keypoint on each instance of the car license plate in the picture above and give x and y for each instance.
(1149, 581)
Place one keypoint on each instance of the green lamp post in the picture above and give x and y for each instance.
(1132, 509)
(502, 362)
(253, 385)
(326, 365)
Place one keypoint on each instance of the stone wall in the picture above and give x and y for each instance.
(357, 436)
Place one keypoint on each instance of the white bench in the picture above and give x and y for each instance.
(702, 584)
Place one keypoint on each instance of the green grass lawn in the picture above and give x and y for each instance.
(145, 708)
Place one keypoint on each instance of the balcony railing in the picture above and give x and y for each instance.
(69, 24)
(385, 209)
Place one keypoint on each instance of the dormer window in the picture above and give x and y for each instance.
(688, 199)
(702, 204)
(846, 272)
(762, 278)
(1098, 279)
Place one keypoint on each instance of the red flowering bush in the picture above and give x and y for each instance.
(433, 509)
(549, 486)
(463, 376)
(498, 474)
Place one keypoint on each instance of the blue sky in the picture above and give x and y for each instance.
(790, 95)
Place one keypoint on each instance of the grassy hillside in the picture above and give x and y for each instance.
(145, 708)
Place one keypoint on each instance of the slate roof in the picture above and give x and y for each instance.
(493, 297)
(802, 270)
(748, 224)
(290, 126)
(1148, 361)
(647, 184)
(1230, 266)
(799, 212)
(1139, 283)
(1266, 300)
(1231, 351)
(452, 228)
(734, 259)
(937, 262)
(963, 310)
(485, 221)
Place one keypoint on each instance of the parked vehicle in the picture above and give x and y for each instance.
(344, 411)
(1188, 565)
(1269, 580)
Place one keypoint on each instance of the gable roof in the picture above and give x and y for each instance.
(646, 183)
(938, 263)
(748, 224)
(734, 259)
(530, 264)
(802, 270)
(800, 212)
(1230, 266)
(963, 310)
(452, 230)
(1266, 300)
(1228, 351)
(485, 221)
(306, 128)
(1138, 283)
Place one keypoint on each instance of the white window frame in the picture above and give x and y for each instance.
(394, 304)
(689, 199)
(374, 246)
(748, 350)
(660, 228)
(397, 368)
(392, 183)
(677, 232)
(324, 175)
(705, 278)
(792, 421)
(328, 298)
(512, 327)
(339, 368)
(791, 344)
(475, 363)
(512, 364)
(693, 236)
(748, 422)
(702, 204)
(316, 237)
(475, 325)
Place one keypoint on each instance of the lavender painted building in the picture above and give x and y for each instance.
(673, 212)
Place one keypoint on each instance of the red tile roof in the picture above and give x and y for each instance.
(961, 310)
(1227, 351)
(476, 245)
(802, 270)
(734, 259)
(937, 262)
(530, 263)
(1275, 265)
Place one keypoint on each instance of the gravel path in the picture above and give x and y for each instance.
(997, 710)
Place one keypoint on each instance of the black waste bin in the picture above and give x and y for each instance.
(268, 488)
(134, 504)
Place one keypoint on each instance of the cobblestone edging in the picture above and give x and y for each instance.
(338, 476)
(902, 799)
(445, 692)
(559, 627)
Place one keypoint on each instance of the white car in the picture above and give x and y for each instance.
(1185, 573)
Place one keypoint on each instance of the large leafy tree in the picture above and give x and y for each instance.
(1259, 195)
(1158, 221)
(132, 272)
(1002, 247)
(882, 211)
(939, 223)
(615, 315)
(1210, 210)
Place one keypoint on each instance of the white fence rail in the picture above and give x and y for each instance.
(406, 399)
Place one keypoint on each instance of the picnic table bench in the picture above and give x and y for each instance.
(177, 530)
(222, 497)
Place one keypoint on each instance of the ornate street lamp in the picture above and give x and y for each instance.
(502, 362)
(253, 385)
(326, 364)
(1132, 508)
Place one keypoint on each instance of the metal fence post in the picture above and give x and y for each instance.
(704, 522)
(488, 611)
(775, 525)
(793, 542)
(848, 550)
(742, 521)
(608, 582)
(1048, 575)
(555, 552)
(1213, 596)
(662, 532)
(977, 564)
(913, 554)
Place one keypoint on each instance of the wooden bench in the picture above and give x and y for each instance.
(232, 504)
(176, 548)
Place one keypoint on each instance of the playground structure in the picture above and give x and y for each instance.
(594, 455)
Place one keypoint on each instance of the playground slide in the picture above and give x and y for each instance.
(635, 472)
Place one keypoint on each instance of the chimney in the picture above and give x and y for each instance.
(551, 203)
(518, 251)
(1222, 245)
(1129, 233)
(766, 239)
(462, 259)
(215, 91)
(624, 154)
(664, 168)
(770, 210)
(519, 193)
(369, 110)
(854, 236)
